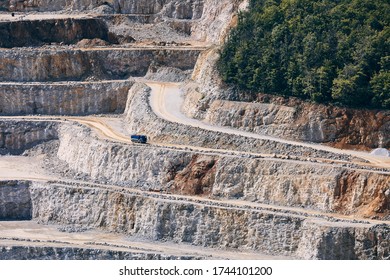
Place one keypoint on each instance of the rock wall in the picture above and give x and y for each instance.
(70, 98)
(257, 116)
(207, 86)
(325, 188)
(15, 200)
(318, 186)
(340, 127)
(204, 225)
(211, 100)
(40, 65)
(17, 136)
(118, 163)
(40, 32)
(74, 253)
(205, 20)
(293, 119)
(139, 117)
(326, 241)
(180, 9)
(218, 17)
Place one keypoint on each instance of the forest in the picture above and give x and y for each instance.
(327, 51)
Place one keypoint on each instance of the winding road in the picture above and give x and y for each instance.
(166, 101)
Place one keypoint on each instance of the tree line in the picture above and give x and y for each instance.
(328, 51)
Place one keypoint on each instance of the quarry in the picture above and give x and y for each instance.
(222, 176)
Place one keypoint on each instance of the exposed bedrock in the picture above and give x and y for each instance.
(180, 9)
(76, 64)
(17, 136)
(317, 186)
(219, 16)
(118, 163)
(206, 225)
(326, 241)
(139, 117)
(207, 86)
(39, 32)
(340, 127)
(30, 252)
(71, 98)
(15, 200)
(212, 101)
(205, 20)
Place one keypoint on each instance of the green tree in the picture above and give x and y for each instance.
(322, 50)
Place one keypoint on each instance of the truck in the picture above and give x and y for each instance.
(142, 139)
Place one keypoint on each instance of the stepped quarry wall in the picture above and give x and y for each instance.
(326, 241)
(218, 18)
(211, 19)
(39, 32)
(139, 115)
(204, 20)
(216, 103)
(17, 136)
(211, 100)
(115, 162)
(40, 65)
(323, 187)
(15, 200)
(205, 225)
(73, 253)
(340, 127)
(71, 98)
(180, 9)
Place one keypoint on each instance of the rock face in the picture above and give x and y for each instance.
(74, 253)
(139, 116)
(207, 86)
(39, 32)
(211, 18)
(275, 116)
(197, 178)
(340, 127)
(317, 186)
(17, 136)
(15, 200)
(226, 197)
(71, 98)
(205, 225)
(251, 115)
(116, 163)
(211, 100)
(39, 65)
(180, 9)
(329, 242)
(218, 17)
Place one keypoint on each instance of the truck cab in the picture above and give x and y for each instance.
(142, 139)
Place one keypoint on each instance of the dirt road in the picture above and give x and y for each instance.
(166, 101)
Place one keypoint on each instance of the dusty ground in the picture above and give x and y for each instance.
(23, 168)
(27, 233)
(165, 101)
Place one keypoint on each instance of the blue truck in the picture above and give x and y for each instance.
(139, 139)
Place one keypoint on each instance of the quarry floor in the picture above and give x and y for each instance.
(29, 233)
(166, 101)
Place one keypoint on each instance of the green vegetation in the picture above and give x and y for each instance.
(323, 50)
